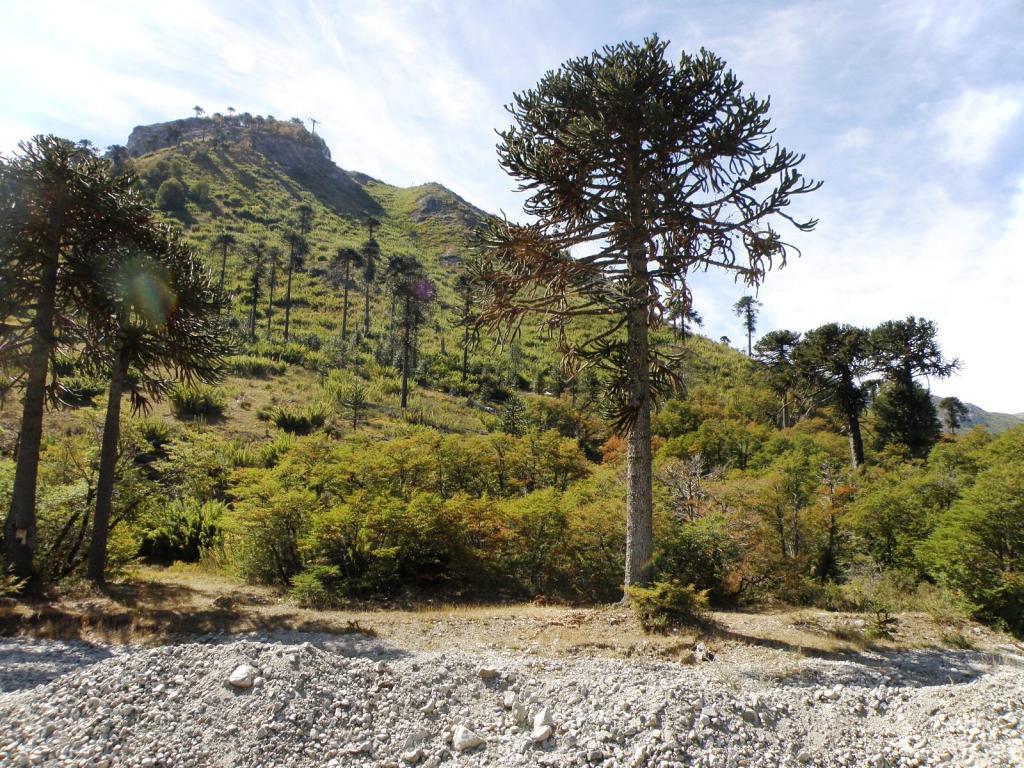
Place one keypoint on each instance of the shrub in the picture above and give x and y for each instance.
(81, 390)
(170, 196)
(254, 365)
(701, 553)
(668, 604)
(182, 530)
(318, 587)
(978, 545)
(191, 400)
(201, 193)
(297, 421)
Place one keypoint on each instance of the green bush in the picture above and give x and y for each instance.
(978, 545)
(318, 587)
(668, 604)
(701, 553)
(191, 400)
(183, 530)
(297, 421)
(253, 365)
(81, 390)
(171, 197)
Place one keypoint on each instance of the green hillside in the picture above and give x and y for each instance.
(245, 177)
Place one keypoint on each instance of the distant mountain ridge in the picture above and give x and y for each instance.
(991, 420)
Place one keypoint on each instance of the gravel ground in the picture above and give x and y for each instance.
(295, 699)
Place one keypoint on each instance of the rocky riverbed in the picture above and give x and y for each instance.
(323, 700)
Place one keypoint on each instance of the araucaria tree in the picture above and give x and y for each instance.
(223, 241)
(298, 249)
(639, 171)
(257, 267)
(411, 293)
(274, 257)
(954, 411)
(62, 210)
(833, 362)
(340, 275)
(746, 309)
(465, 317)
(774, 351)
(902, 351)
(370, 254)
(162, 324)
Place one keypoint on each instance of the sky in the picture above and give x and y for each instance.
(911, 112)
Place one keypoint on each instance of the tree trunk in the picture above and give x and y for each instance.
(344, 305)
(405, 356)
(270, 303)
(465, 342)
(288, 303)
(856, 441)
(785, 410)
(20, 526)
(108, 466)
(223, 264)
(366, 311)
(639, 500)
(252, 312)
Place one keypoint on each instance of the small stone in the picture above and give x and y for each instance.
(416, 738)
(463, 739)
(520, 714)
(242, 677)
(541, 733)
(412, 757)
(543, 717)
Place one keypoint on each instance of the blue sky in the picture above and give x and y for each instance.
(911, 112)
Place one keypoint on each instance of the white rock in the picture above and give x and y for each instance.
(412, 757)
(463, 739)
(541, 733)
(242, 676)
(543, 717)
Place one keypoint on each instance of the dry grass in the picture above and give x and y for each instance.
(160, 605)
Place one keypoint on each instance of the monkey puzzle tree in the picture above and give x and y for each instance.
(370, 253)
(955, 412)
(411, 292)
(163, 323)
(747, 309)
(61, 208)
(638, 170)
(256, 263)
(340, 274)
(298, 250)
(223, 241)
(274, 256)
(833, 361)
(902, 351)
(774, 351)
(465, 317)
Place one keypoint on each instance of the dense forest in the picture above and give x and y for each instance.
(353, 391)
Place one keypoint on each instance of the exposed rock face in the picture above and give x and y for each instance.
(438, 202)
(264, 135)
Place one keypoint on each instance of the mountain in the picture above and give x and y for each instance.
(245, 176)
(992, 421)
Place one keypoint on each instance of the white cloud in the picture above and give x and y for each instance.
(975, 123)
(239, 57)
